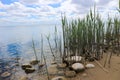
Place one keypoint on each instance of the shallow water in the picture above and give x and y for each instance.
(17, 42)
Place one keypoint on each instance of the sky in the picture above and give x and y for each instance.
(48, 12)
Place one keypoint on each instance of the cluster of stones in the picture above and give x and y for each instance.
(72, 70)
(6, 68)
(28, 67)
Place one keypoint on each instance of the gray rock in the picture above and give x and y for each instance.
(5, 74)
(62, 66)
(29, 70)
(24, 66)
(24, 78)
(70, 74)
(78, 67)
(34, 62)
(89, 65)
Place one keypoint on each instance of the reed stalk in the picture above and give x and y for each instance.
(48, 39)
(42, 53)
(33, 46)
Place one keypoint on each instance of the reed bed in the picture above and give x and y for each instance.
(90, 36)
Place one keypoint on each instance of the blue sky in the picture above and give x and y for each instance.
(42, 12)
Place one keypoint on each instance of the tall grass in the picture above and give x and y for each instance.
(88, 36)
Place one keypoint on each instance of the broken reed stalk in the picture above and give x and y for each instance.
(42, 54)
(33, 46)
(102, 67)
(48, 39)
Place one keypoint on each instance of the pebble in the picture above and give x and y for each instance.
(61, 66)
(5, 74)
(61, 73)
(90, 65)
(24, 66)
(34, 62)
(24, 78)
(59, 78)
(29, 70)
(70, 74)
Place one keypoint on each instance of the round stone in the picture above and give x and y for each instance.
(78, 67)
(24, 78)
(70, 74)
(62, 66)
(61, 73)
(34, 62)
(90, 65)
(5, 74)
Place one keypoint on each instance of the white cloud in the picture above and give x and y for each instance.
(39, 2)
(21, 13)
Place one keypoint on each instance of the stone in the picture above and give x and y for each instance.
(24, 78)
(59, 78)
(61, 73)
(62, 66)
(53, 62)
(24, 66)
(78, 67)
(34, 62)
(70, 74)
(90, 65)
(41, 65)
(5, 74)
(29, 70)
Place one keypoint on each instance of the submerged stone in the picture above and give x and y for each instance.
(52, 63)
(29, 70)
(41, 65)
(5, 74)
(24, 66)
(34, 62)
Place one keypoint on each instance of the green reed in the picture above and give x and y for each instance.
(89, 35)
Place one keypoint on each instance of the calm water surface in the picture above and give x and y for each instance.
(17, 42)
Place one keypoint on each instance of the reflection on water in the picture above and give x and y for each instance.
(16, 42)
